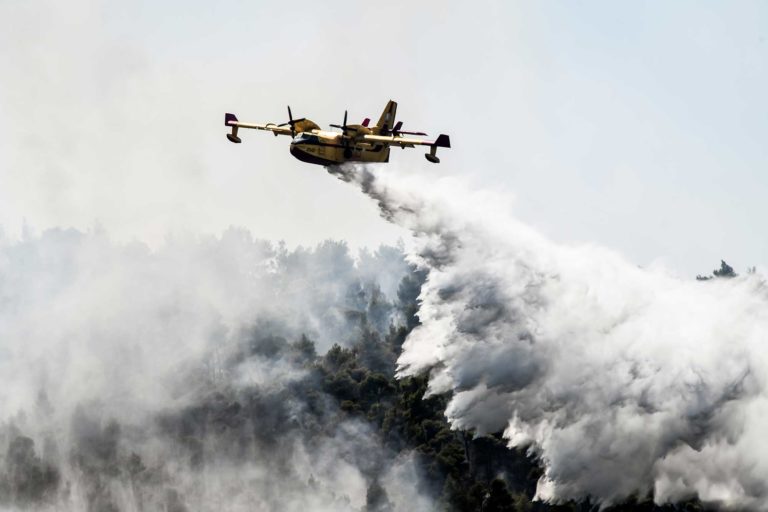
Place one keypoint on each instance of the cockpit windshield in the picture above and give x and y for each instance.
(305, 138)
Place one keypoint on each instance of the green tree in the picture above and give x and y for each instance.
(725, 270)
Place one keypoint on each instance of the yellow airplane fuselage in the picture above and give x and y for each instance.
(328, 148)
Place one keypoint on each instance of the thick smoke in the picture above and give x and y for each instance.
(621, 380)
(181, 379)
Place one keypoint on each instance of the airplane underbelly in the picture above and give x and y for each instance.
(325, 154)
(316, 154)
(379, 154)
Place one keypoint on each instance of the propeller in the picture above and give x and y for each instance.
(292, 122)
(345, 140)
(344, 127)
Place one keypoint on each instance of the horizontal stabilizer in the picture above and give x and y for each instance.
(397, 131)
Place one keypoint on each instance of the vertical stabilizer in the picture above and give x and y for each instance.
(387, 119)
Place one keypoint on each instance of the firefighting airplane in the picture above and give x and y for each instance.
(355, 143)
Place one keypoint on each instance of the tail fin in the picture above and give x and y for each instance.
(387, 119)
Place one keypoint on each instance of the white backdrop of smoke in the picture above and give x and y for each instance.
(122, 369)
(621, 380)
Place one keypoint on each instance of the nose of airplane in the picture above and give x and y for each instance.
(296, 151)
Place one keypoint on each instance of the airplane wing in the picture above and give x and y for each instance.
(442, 141)
(231, 120)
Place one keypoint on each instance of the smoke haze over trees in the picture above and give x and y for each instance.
(231, 373)
(192, 377)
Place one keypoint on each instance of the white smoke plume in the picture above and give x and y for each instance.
(621, 380)
(173, 379)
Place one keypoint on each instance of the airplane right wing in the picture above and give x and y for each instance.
(442, 141)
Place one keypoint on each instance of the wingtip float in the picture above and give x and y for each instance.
(355, 142)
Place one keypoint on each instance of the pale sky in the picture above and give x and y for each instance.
(639, 126)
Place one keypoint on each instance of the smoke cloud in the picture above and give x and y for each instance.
(179, 378)
(621, 380)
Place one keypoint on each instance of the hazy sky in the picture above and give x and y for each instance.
(640, 126)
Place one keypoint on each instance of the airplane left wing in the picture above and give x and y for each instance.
(231, 120)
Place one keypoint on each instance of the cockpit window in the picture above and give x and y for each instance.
(305, 138)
